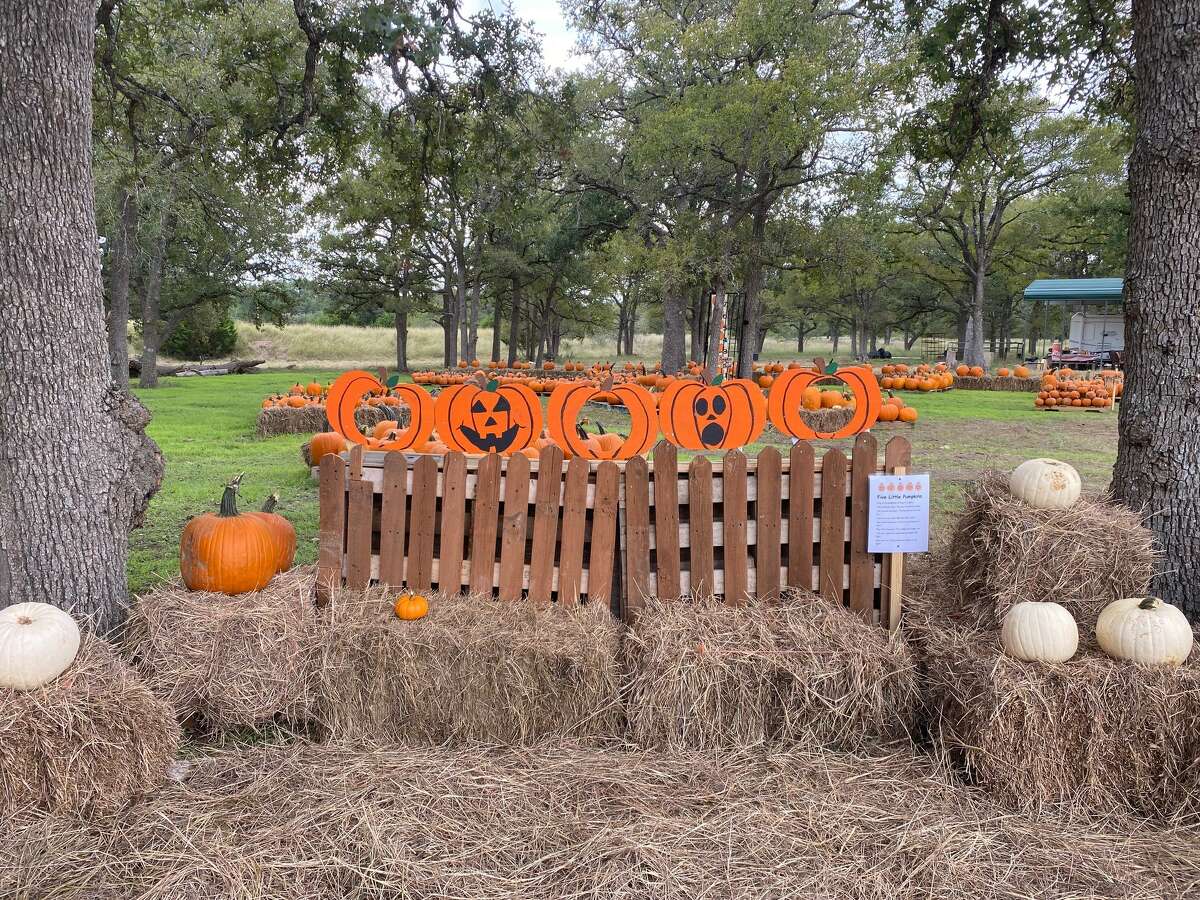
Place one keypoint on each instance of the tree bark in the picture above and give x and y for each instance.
(714, 329)
(151, 306)
(124, 241)
(673, 329)
(754, 281)
(401, 323)
(74, 478)
(1158, 451)
(496, 323)
(514, 325)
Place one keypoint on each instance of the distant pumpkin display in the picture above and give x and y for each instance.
(482, 416)
(795, 389)
(347, 392)
(724, 415)
(567, 401)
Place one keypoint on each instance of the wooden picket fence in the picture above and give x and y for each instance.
(612, 532)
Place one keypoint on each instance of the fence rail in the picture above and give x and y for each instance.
(612, 532)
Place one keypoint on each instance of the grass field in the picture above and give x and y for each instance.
(347, 346)
(205, 427)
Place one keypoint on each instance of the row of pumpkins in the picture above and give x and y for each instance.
(1063, 390)
(1138, 629)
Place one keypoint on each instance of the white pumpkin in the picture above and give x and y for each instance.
(1045, 483)
(37, 644)
(1144, 630)
(1039, 632)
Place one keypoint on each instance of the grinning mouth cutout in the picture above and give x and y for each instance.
(497, 442)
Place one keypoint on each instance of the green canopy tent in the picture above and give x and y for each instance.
(1096, 333)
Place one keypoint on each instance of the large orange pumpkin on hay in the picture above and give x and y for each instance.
(228, 553)
(791, 394)
(567, 400)
(323, 444)
(722, 415)
(484, 416)
(346, 393)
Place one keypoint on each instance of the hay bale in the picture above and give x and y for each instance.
(825, 421)
(1092, 732)
(276, 420)
(323, 822)
(805, 671)
(472, 670)
(1004, 552)
(229, 662)
(89, 742)
(996, 383)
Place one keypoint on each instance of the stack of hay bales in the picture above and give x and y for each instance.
(472, 670)
(225, 662)
(91, 741)
(305, 821)
(804, 671)
(996, 383)
(1103, 733)
(276, 420)
(826, 421)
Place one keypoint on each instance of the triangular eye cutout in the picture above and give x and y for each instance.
(502, 405)
(478, 407)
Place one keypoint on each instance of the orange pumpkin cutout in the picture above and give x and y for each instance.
(346, 394)
(787, 398)
(484, 416)
(567, 402)
(719, 416)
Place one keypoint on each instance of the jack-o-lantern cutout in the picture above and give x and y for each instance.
(347, 393)
(566, 402)
(787, 399)
(718, 416)
(483, 416)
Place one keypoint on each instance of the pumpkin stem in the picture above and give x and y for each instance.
(1149, 603)
(270, 503)
(229, 498)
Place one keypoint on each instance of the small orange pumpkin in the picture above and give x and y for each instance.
(409, 607)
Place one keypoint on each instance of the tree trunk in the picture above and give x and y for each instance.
(514, 325)
(748, 332)
(712, 355)
(74, 478)
(401, 323)
(973, 352)
(124, 241)
(1158, 451)
(449, 323)
(473, 321)
(799, 340)
(151, 308)
(496, 323)
(699, 311)
(835, 337)
(673, 349)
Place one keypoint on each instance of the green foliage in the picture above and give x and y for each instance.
(205, 334)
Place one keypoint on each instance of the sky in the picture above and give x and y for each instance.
(557, 39)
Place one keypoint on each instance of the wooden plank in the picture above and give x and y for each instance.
(833, 545)
(391, 520)
(454, 522)
(666, 520)
(359, 515)
(897, 457)
(734, 514)
(574, 521)
(700, 489)
(545, 524)
(636, 577)
(602, 555)
(862, 565)
(515, 526)
(332, 526)
(486, 522)
(768, 515)
(801, 465)
(356, 462)
(422, 524)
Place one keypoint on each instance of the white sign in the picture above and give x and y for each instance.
(899, 513)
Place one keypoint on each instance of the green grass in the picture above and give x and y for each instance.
(205, 427)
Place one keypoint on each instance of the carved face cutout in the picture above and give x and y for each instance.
(712, 417)
(492, 427)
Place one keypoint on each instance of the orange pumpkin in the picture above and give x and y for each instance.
(281, 528)
(347, 391)
(791, 391)
(323, 444)
(228, 553)
(908, 414)
(720, 416)
(567, 400)
(484, 416)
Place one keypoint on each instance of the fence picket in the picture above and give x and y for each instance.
(332, 526)
(360, 515)
(515, 525)
(700, 510)
(666, 520)
(545, 524)
(391, 519)
(424, 512)
(636, 581)
(485, 514)
(862, 564)
(574, 522)
(733, 478)
(768, 516)
(454, 522)
(801, 494)
(833, 524)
